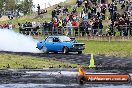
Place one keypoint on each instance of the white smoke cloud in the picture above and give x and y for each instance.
(15, 42)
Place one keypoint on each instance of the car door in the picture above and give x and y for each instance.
(57, 44)
(49, 43)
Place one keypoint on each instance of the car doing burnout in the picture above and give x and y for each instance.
(62, 44)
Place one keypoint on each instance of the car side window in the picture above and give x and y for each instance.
(49, 40)
(56, 40)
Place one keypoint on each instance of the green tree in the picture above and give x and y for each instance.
(10, 5)
(1, 4)
(19, 7)
(27, 6)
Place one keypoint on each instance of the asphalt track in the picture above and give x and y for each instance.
(64, 78)
(47, 78)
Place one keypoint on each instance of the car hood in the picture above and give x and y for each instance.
(79, 43)
(75, 43)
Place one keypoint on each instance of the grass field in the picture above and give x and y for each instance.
(118, 49)
(23, 62)
(113, 48)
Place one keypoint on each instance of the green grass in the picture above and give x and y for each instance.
(21, 62)
(15, 21)
(113, 48)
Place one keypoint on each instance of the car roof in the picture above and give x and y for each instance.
(57, 36)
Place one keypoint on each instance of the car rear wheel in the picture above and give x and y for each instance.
(44, 49)
(79, 52)
(65, 50)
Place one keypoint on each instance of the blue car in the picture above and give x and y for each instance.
(62, 44)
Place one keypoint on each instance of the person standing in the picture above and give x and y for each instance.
(69, 24)
(100, 26)
(55, 26)
(95, 27)
(38, 9)
(51, 27)
(75, 25)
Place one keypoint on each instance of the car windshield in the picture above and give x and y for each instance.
(64, 39)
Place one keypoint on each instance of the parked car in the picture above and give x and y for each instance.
(62, 44)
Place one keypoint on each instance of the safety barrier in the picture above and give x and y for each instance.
(73, 31)
(126, 28)
(29, 30)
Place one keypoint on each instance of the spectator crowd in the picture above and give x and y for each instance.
(29, 28)
(88, 18)
(7, 26)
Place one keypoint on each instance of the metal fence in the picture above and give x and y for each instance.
(76, 31)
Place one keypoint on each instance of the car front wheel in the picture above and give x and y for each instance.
(79, 52)
(65, 50)
(44, 49)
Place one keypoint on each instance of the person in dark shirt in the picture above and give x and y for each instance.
(79, 2)
(38, 7)
(0, 15)
(53, 13)
(46, 28)
(100, 26)
(51, 27)
(55, 26)
(93, 10)
(95, 27)
(82, 28)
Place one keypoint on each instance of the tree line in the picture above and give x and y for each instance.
(23, 6)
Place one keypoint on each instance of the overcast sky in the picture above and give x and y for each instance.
(47, 2)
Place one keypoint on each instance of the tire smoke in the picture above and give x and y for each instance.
(15, 42)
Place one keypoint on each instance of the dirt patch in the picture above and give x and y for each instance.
(4, 18)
